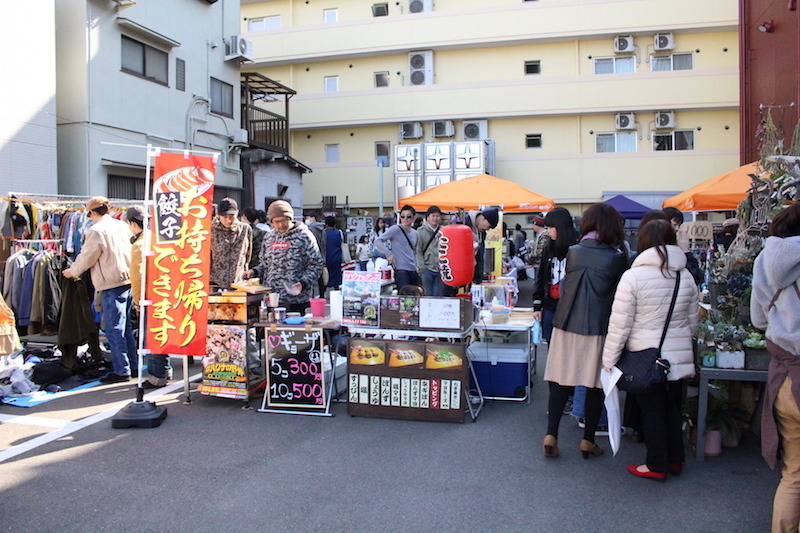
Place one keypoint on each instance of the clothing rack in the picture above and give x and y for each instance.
(61, 201)
(54, 244)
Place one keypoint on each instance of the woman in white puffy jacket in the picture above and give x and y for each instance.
(637, 321)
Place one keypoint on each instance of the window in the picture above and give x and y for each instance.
(533, 140)
(382, 79)
(180, 74)
(331, 153)
(533, 67)
(614, 65)
(674, 140)
(618, 141)
(330, 15)
(264, 23)
(144, 60)
(382, 148)
(331, 84)
(221, 98)
(683, 61)
(125, 186)
(380, 10)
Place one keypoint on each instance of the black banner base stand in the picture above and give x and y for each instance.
(139, 415)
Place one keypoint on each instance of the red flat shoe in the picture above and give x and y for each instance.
(655, 476)
(675, 469)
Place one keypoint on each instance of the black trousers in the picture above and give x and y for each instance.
(559, 394)
(661, 421)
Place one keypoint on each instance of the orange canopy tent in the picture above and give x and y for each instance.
(477, 191)
(721, 193)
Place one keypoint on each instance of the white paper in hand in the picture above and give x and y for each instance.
(609, 382)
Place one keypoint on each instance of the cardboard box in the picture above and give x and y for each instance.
(501, 369)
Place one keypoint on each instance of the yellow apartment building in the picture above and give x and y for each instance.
(578, 100)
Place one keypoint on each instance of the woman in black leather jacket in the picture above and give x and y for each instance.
(594, 267)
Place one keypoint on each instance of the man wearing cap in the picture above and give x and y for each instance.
(428, 253)
(290, 261)
(403, 252)
(106, 253)
(480, 222)
(729, 229)
(231, 245)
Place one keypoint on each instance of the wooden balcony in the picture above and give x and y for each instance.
(265, 130)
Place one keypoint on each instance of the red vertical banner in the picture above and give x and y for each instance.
(180, 245)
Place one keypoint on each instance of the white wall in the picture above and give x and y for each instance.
(107, 105)
(28, 97)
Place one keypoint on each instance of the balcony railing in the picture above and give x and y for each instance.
(265, 129)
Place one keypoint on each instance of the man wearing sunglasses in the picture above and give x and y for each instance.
(402, 256)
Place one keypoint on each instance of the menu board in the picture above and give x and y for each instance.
(360, 297)
(294, 369)
(225, 362)
(407, 380)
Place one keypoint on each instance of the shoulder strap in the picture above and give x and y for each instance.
(429, 241)
(778, 293)
(409, 240)
(671, 308)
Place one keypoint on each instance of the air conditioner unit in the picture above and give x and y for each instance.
(420, 6)
(410, 130)
(663, 41)
(380, 10)
(625, 121)
(239, 48)
(473, 130)
(665, 119)
(420, 66)
(240, 137)
(443, 128)
(623, 44)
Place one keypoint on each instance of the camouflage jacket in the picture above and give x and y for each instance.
(231, 249)
(288, 258)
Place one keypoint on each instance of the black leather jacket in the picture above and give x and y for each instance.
(587, 291)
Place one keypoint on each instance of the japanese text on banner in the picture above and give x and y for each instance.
(178, 267)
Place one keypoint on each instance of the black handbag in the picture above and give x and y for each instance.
(644, 369)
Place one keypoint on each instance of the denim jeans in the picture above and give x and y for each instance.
(432, 283)
(117, 308)
(405, 277)
(157, 365)
(578, 406)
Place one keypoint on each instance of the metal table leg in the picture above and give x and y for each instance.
(702, 409)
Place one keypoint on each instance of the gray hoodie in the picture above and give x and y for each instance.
(778, 267)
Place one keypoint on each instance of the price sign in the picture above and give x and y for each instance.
(703, 231)
(294, 368)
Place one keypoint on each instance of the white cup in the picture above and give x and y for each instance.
(273, 299)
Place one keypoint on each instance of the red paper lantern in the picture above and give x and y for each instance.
(456, 255)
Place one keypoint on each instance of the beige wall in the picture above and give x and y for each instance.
(479, 54)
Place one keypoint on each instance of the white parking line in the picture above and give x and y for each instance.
(72, 426)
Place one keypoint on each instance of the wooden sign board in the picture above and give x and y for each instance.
(407, 380)
(425, 312)
(294, 369)
(701, 231)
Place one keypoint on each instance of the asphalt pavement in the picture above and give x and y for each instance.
(215, 466)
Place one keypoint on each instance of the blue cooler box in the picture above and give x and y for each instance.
(501, 369)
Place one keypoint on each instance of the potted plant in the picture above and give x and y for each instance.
(728, 339)
(756, 356)
(727, 417)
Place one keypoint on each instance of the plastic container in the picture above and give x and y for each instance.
(317, 307)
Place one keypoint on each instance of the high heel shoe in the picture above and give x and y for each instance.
(590, 449)
(647, 474)
(550, 446)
